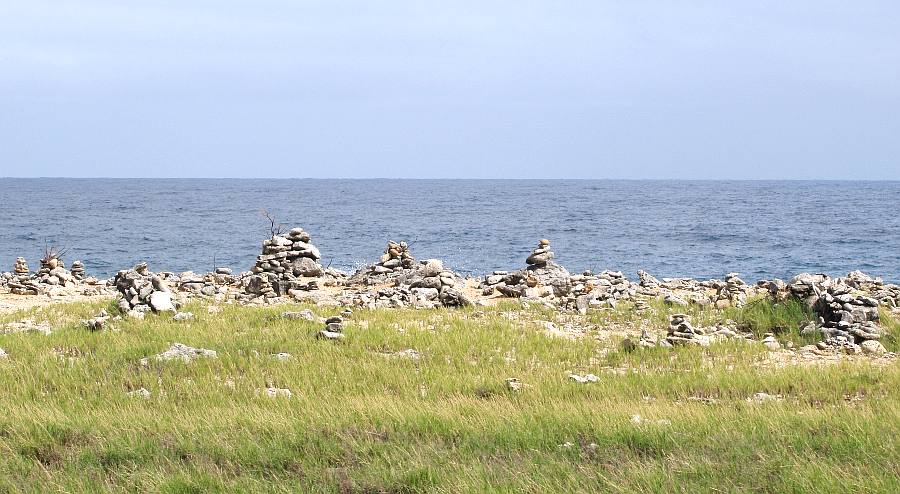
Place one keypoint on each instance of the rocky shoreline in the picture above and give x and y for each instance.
(288, 270)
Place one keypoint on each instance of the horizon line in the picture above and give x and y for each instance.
(471, 179)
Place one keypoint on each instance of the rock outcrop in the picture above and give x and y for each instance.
(425, 284)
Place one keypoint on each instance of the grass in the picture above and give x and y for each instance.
(361, 420)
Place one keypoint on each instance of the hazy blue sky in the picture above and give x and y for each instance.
(557, 89)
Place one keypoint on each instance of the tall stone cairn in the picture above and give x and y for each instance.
(284, 259)
(288, 256)
(22, 282)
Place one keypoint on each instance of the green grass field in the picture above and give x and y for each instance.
(362, 420)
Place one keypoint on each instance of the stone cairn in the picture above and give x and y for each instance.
(396, 257)
(334, 329)
(681, 332)
(21, 283)
(847, 309)
(886, 295)
(143, 291)
(604, 290)
(284, 259)
(53, 272)
(732, 293)
(648, 282)
(396, 262)
(847, 317)
(542, 278)
(206, 285)
(77, 270)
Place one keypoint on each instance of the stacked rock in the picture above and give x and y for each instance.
(206, 285)
(290, 255)
(259, 286)
(395, 262)
(334, 329)
(542, 278)
(21, 267)
(886, 295)
(733, 293)
(143, 291)
(681, 332)
(604, 290)
(542, 255)
(648, 282)
(396, 256)
(21, 282)
(807, 287)
(77, 270)
(777, 289)
(284, 259)
(53, 272)
(844, 312)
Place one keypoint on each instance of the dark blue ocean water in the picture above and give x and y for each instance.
(670, 228)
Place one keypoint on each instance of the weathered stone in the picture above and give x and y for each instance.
(161, 302)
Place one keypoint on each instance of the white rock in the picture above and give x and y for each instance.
(135, 314)
(588, 378)
(303, 314)
(162, 302)
(278, 392)
(182, 316)
(513, 384)
(873, 347)
(763, 397)
(184, 353)
(771, 343)
(330, 335)
(139, 393)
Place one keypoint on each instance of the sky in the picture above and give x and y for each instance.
(482, 89)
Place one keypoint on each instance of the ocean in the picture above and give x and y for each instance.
(702, 229)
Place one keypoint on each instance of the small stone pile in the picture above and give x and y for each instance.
(53, 272)
(206, 285)
(20, 281)
(648, 282)
(542, 255)
(681, 332)
(77, 270)
(542, 278)
(334, 329)
(886, 295)
(97, 322)
(807, 287)
(21, 267)
(604, 290)
(733, 293)
(397, 261)
(259, 286)
(143, 291)
(396, 257)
